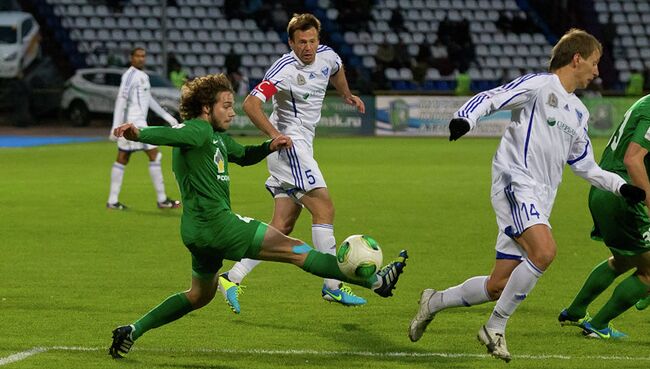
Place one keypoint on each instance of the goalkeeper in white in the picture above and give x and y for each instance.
(548, 129)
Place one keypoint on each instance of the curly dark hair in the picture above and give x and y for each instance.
(202, 91)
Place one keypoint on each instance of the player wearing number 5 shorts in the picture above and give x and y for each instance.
(548, 130)
(296, 83)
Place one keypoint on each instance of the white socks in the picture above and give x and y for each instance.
(521, 282)
(322, 235)
(238, 271)
(117, 174)
(471, 292)
(155, 171)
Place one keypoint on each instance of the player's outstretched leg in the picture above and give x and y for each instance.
(495, 342)
(230, 291)
(567, 320)
(343, 295)
(389, 275)
(122, 341)
(424, 316)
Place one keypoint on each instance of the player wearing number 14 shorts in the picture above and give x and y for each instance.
(296, 83)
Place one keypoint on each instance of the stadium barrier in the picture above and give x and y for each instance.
(399, 115)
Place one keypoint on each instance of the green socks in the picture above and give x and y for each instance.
(172, 308)
(626, 294)
(598, 280)
(325, 265)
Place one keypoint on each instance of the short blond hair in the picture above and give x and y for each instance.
(573, 41)
(302, 22)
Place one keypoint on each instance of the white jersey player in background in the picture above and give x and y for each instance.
(548, 129)
(297, 83)
(132, 105)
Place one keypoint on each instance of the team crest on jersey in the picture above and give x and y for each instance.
(579, 115)
(312, 75)
(218, 159)
(301, 80)
(325, 71)
(552, 100)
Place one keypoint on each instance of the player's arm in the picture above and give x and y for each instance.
(340, 83)
(634, 162)
(582, 162)
(253, 107)
(510, 96)
(153, 105)
(119, 110)
(253, 154)
(181, 136)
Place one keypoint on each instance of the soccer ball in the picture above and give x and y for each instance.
(359, 257)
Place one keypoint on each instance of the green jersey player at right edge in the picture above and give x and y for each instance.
(210, 230)
(623, 227)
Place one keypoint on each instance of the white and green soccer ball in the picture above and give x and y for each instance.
(359, 257)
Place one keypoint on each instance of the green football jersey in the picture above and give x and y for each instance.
(635, 127)
(200, 164)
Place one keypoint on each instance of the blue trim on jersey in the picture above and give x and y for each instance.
(530, 126)
(571, 162)
(293, 102)
(521, 80)
(504, 256)
(271, 73)
(128, 83)
(322, 48)
(337, 69)
(277, 63)
(472, 104)
(510, 99)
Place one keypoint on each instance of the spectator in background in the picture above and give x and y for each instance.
(238, 81)
(20, 94)
(423, 61)
(385, 56)
(378, 79)
(463, 82)
(177, 75)
(402, 57)
(396, 22)
(635, 85)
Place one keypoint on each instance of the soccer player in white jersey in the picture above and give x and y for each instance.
(548, 130)
(132, 105)
(296, 83)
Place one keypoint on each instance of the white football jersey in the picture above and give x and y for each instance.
(548, 129)
(134, 100)
(300, 91)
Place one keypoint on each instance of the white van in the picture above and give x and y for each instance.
(19, 42)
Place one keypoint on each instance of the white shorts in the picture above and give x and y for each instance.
(125, 145)
(293, 172)
(517, 209)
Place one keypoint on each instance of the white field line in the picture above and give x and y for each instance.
(450, 355)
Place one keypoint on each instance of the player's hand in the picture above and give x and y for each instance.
(355, 101)
(281, 142)
(632, 193)
(457, 128)
(128, 131)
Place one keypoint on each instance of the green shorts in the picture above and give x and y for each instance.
(229, 236)
(625, 228)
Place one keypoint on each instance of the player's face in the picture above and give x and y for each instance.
(138, 58)
(587, 69)
(222, 112)
(304, 45)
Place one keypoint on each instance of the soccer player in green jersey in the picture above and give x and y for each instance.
(210, 230)
(623, 226)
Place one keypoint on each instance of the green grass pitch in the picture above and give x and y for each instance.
(70, 271)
